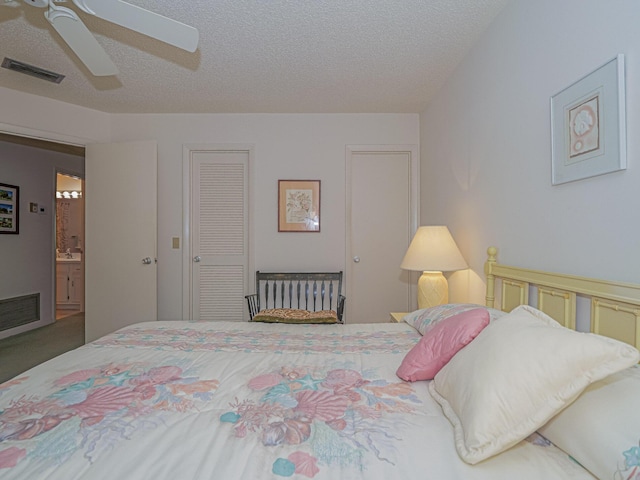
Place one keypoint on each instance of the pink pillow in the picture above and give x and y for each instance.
(441, 343)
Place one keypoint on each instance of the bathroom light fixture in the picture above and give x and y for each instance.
(71, 194)
(433, 251)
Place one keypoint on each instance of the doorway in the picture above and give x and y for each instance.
(33, 164)
(69, 245)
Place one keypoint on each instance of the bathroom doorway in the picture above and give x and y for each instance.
(69, 245)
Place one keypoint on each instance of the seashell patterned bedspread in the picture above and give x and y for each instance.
(227, 400)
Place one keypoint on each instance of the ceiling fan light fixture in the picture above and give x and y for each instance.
(31, 70)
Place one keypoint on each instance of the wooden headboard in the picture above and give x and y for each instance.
(614, 306)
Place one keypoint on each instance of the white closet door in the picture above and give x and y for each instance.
(219, 234)
(382, 212)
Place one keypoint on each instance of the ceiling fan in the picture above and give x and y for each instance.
(69, 26)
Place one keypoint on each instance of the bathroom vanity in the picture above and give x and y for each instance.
(70, 282)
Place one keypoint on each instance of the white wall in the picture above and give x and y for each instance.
(40, 117)
(287, 146)
(485, 147)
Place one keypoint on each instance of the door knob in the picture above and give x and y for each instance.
(147, 261)
(356, 259)
(197, 259)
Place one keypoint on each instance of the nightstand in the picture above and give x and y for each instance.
(396, 317)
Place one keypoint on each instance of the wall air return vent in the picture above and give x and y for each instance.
(18, 311)
(27, 69)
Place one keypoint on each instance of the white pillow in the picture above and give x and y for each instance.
(519, 372)
(601, 429)
(425, 319)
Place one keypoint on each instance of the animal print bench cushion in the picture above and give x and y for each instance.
(293, 315)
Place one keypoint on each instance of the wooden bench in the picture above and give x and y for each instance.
(313, 291)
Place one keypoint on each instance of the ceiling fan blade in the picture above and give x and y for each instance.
(144, 21)
(81, 41)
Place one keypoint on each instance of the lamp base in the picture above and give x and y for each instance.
(432, 290)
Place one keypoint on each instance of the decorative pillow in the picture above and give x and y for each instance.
(519, 372)
(441, 343)
(293, 315)
(426, 318)
(601, 429)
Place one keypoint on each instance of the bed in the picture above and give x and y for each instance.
(202, 400)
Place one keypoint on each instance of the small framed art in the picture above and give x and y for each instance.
(298, 205)
(9, 208)
(588, 125)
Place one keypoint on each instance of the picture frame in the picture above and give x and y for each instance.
(588, 125)
(9, 209)
(299, 206)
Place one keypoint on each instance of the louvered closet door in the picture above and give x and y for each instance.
(219, 226)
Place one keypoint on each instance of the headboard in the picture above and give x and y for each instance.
(614, 306)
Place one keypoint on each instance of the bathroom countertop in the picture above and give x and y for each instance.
(76, 258)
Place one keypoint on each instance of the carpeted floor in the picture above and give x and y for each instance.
(26, 350)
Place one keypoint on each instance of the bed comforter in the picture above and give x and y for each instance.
(227, 400)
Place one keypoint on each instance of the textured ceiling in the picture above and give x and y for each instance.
(258, 56)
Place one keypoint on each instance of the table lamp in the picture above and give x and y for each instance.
(433, 251)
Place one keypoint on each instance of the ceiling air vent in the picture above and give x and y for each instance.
(27, 69)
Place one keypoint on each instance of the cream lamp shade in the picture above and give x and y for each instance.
(433, 251)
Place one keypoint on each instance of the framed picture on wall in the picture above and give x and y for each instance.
(588, 126)
(298, 205)
(9, 208)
